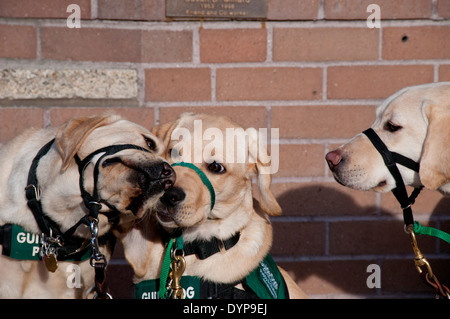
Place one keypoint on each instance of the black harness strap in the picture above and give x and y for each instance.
(391, 159)
(32, 192)
(47, 226)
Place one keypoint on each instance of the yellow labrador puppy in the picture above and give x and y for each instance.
(91, 173)
(414, 122)
(226, 233)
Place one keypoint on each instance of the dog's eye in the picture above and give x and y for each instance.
(390, 127)
(216, 168)
(150, 143)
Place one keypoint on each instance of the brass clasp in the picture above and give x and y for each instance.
(419, 259)
(178, 265)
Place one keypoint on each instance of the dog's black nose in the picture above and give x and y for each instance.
(173, 196)
(168, 176)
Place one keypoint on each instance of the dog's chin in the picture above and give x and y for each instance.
(171, 218)
(165, 218)
(142, 205)
(383, 186)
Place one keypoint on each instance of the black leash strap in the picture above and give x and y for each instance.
(391, 159)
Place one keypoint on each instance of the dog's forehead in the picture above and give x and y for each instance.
(120, 132)
(403, 105)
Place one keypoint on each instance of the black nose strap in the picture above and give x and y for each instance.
(390, 158)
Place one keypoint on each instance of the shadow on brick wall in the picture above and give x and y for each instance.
(328, 240)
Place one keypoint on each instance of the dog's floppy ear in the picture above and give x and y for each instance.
(435, 160)
(72, 134)
(258, 154)
(163, 132)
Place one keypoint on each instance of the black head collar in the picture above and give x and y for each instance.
(92, 202)
(391, 159)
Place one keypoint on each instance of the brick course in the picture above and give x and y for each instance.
(313, 69)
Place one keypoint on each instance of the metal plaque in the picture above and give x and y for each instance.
(217, 9)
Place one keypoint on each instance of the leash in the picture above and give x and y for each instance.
(391, 159)
(54, 243)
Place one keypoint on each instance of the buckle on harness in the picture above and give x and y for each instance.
(37, 191)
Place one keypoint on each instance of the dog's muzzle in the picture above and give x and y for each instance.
(391, 159)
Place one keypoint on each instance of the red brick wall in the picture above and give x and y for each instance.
(313, 69)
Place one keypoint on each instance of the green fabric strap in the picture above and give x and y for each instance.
(165, 271)
(165, 268)
(430, 231)
(203, 177)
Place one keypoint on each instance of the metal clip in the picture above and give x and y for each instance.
(419, 259)
(96, 255)
(178, 266)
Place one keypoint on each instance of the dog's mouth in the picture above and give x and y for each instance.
(144, 184)
(170, 207)
(152, 191)
(164, 216)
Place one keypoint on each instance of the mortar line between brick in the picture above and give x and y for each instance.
(156, 114)
(141, 85)
(436, 73)
(331, 257)
(278, 103)
(380, 44)
(294, 64)
(38, 44)
(434, 10)
(47, 118)
(196, 46)
(55, 64)
(213, 85)
(336, 219)
(321, 10)
(94, 9)
(269, 44)
(190, 25)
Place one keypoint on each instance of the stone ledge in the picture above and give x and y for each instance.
(27, 84)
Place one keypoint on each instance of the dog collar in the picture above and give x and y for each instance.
(390, 160)
(203, 177)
